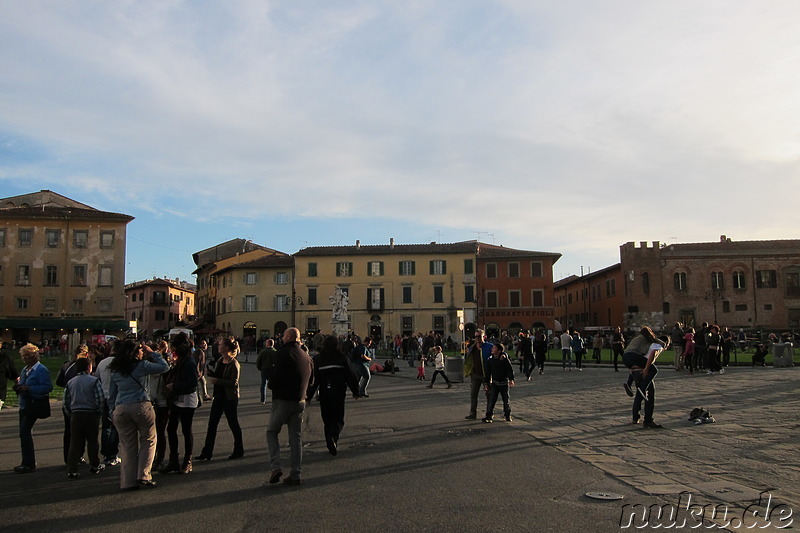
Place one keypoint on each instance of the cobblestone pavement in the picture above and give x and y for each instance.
(753, 446)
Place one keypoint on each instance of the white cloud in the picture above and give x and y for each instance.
(588, 122)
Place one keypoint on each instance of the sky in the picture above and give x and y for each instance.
(560, 126)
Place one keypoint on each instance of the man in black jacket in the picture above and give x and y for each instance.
(289, 378)
(497, 379)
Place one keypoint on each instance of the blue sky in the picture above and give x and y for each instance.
(569, 126)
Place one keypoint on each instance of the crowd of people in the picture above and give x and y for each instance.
(123, 404)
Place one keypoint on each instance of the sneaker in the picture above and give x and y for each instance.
(73, 475)
(470, 417)
(509, 419)
(721, 370)
(635, 422)
(628, 389)
(112, 462)
(487, 420)
(652, 425)
(97, 469)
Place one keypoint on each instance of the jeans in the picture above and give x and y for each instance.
(263, 388)
(83, 432)
(362, 372)
(26, 423)
(290, 413)
(646, 384)
(184, 415)
(494, 391)
(475, 386)
(109, 438)
(566, 356)
(219, 406)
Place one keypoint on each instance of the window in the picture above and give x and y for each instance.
(312, 270)
(438, 324)
(49, 304)
(438, 294)
(79, 275)
(467, 266)
(344, 269)
(717, 280)
(407, 295)
(53, 237)
(438, 267)
(282, 278)
(77, 305)
(407, 268)
(491, 298)
(250, 303)
(407, 323)
(536, 269)
(159, 297)
(250, 278)
(281, 303)
(105, 276)
(22, 304)
(726, 306)
(312, 323)
(2, 237)
(2, 276)
(611, 287)
(665, 308)
(792, 283)
(162, 315)
(312, 296)
(23, 275)
(104, 305)
(513, 270)
(375, 268)
(679, 281)
(25, 237)
(741, 307)
(80, 238)
(469, 293)
(767, 307)
(514, 299)
(537, 298)
(106, 238)
(491, 270)
(51, 275)
(738, 279)
(646, 283)
(766, 279)
(375, 299)
(133, 297)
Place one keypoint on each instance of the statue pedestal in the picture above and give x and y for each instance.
(339, 328)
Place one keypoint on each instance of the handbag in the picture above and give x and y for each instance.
(38, 407)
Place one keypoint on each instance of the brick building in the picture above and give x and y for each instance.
(748, 284)
(594, 300)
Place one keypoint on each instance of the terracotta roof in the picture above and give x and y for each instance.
(491, 251)
(61, 213)
(226, 250)
(275, 261)
(161, 281)
(465, 247)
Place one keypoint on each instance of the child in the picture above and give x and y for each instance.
(439, 362)
(83, 403)
(421, 367)
(499, 376)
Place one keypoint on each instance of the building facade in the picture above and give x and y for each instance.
(254, 298)
(747, 284)
(593, 301)
(391, 289)
(158, 305)
(515, 289)
(62, 269)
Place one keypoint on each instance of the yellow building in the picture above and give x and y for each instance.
(391, 289)
(158, 305)
(254, 298)
(62, 268)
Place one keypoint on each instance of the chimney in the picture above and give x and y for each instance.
(722, 238)
(358, 244)
(391, 242)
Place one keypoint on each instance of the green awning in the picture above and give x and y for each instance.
(66, 323)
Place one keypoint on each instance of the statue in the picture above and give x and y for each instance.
(339, 301)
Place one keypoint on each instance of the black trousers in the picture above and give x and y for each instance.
(229, 408)
(331, 407)
(184, 416)
(495, 391)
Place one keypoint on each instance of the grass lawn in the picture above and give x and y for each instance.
(52, 363)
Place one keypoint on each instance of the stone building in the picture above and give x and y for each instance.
(158, 305)
(62, 269)
(747, 284)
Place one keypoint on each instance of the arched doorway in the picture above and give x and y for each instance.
(249, 332)
(514, 328)
(280, 327)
